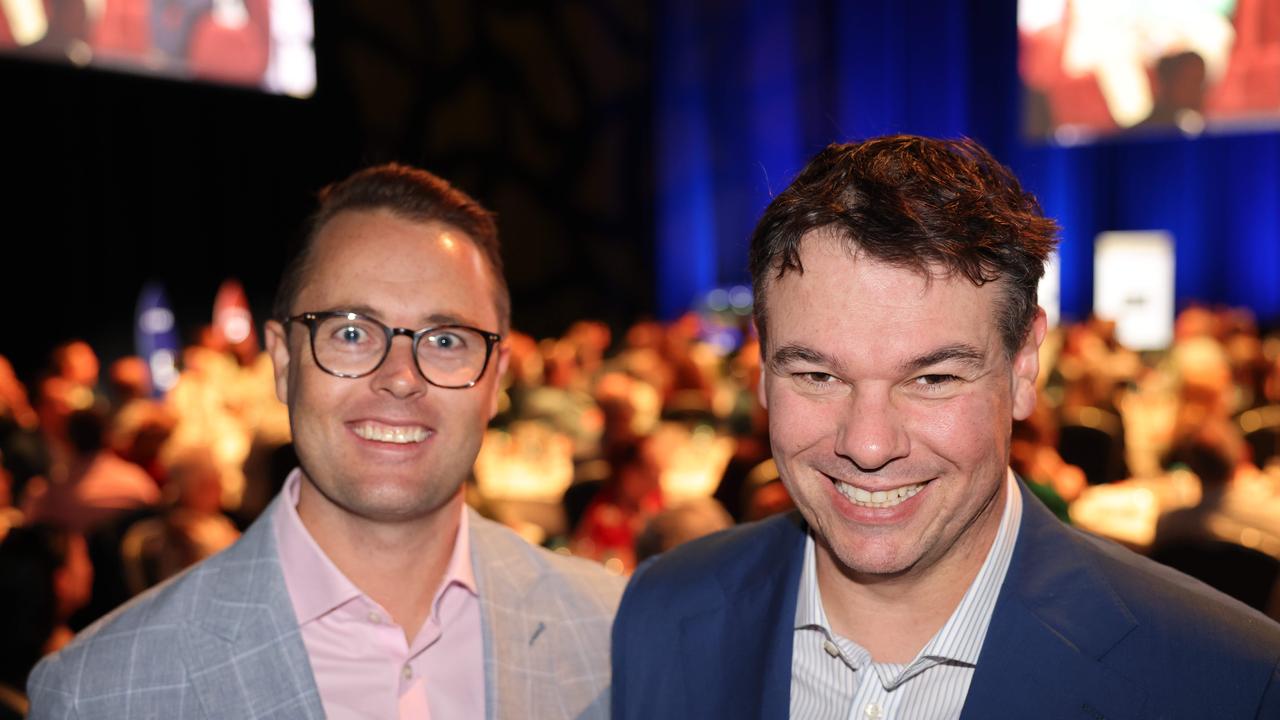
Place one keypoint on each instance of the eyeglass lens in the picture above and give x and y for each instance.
(451, 356)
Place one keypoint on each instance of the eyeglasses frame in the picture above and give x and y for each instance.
(312, 319)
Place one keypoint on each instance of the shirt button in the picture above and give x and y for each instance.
(831, 648)
(407, 672)
(874, 711)
(375, 618)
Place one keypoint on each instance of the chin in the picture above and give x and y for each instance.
(861, 559)
(385, 509)
(396, 500)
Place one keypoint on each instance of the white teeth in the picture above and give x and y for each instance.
(384, 433)
(879, 498)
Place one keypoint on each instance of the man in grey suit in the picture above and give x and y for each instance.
(367, 589)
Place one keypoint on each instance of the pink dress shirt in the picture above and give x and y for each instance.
(362, 664)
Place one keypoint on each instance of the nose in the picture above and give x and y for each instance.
(398, 375)
(871, 433)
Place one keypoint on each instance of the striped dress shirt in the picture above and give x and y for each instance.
(833, 677)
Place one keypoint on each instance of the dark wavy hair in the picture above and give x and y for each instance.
(410, 193)
(934, 206)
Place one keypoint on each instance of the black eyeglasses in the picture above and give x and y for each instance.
(351, 345)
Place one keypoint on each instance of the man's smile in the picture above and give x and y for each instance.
(397, 434)
(878, 498)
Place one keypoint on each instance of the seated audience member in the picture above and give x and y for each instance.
(71, 386)
(1215, 455)
(139, 432)
(45, 576)
(128, 379)
(10, 516)
(678, 525)
(97, 494)
(763, 493)
(1207, 540)
(1261, 425)
(22, 447)
(749, 425)
(192, 527)
(98, 486)
(1090, 433)
(619, 511)
(1033, 454)
(15, 406)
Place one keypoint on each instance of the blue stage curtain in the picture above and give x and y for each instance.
(745, 92)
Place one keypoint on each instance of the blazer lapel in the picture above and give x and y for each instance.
(1055, 618)
(244, 649)
(751, 632)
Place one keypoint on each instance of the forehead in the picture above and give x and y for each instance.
(846, 303)
(395, 265)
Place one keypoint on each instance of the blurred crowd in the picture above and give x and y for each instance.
(613, 447)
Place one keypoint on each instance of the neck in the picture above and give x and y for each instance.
(894, 616)
(399, 565)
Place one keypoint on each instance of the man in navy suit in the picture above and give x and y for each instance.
(896, 303)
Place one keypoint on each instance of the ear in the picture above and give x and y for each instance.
(277, 340)
(504, 358)
(1026, 366)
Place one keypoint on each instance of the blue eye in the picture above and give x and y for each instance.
(451, 341)
(351, 334)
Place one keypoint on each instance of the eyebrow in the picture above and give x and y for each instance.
(788, 354)
(959, 352)
(431, 320)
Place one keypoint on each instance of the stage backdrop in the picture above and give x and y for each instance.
(745, 92)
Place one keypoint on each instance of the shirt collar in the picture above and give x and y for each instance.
(316, 586)
(961, 638)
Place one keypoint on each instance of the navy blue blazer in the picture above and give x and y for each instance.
(1082, 628)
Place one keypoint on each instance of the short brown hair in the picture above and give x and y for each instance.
(916, 203)
(410, 193)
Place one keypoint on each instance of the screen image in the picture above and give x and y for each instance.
(262, 44)
(1133, 284)
(1094, 68)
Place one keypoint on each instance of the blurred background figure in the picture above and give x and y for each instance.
(45, 576)
(98, 486)
(190, 528)
(69, 385)
(678, 525)
(629, 498)
(1033, 454)
(22, 450)
(1093, 370)
(1225, 539)
(1215, 456)
(128, 380)
(15, 408)
(1179, 90)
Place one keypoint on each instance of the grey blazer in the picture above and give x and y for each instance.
(221, 640)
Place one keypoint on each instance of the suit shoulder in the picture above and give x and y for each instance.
(583, 578)
(576, 580)
(151, 625)
(146, 626)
